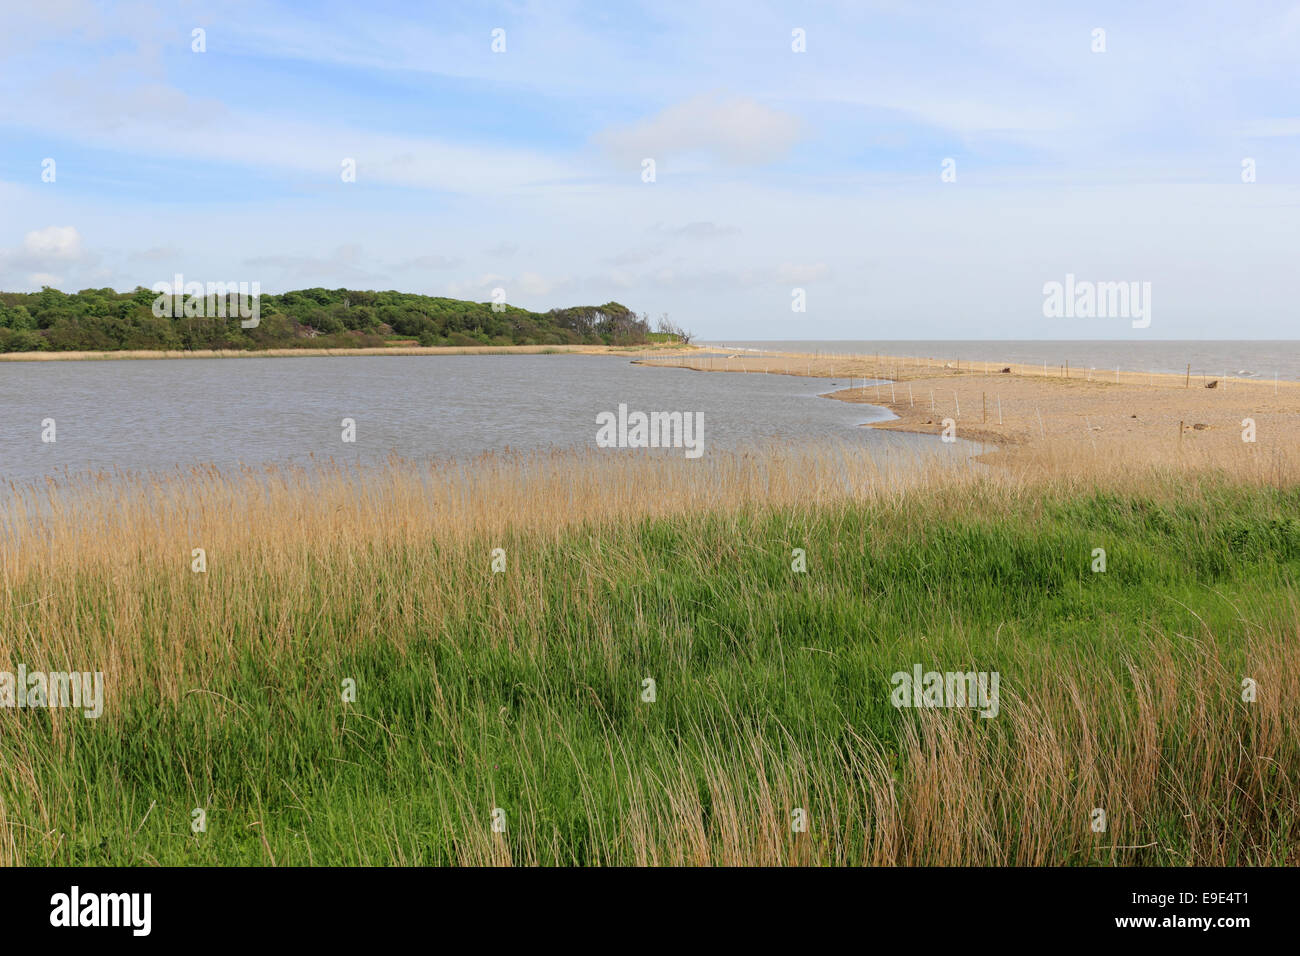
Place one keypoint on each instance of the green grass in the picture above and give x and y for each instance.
(521, 691)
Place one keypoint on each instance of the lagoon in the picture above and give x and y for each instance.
(154, 416)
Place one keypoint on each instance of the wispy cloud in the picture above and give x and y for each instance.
(734, 129)
(342, 267)
(696, 230)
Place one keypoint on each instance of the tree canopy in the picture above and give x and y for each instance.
(107, 320)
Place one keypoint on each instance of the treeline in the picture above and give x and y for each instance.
(107, 320)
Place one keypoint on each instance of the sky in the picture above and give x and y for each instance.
(899, 170)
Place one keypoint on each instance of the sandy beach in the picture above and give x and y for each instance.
(1052, 416)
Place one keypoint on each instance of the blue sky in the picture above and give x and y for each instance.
(775, 170)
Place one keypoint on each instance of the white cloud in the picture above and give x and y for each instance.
(431, 263)
(156, 254)
(478, 290)
(530, 285)
(45, 250)
(792, 272)
(61, 243)
(697, 230)
(144, 118)
(737, 130)
(342, 266)
(636, 256)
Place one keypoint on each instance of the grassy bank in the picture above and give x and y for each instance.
(521, 690)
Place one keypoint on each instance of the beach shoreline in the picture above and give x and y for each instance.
(1029, 413)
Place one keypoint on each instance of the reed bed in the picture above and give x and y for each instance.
(522, 690)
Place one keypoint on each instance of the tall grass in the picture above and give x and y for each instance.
(521, 690)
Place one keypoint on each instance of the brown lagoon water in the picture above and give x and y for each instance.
(159, 415)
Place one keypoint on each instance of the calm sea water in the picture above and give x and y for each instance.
(1257, 359)
(157, 415)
